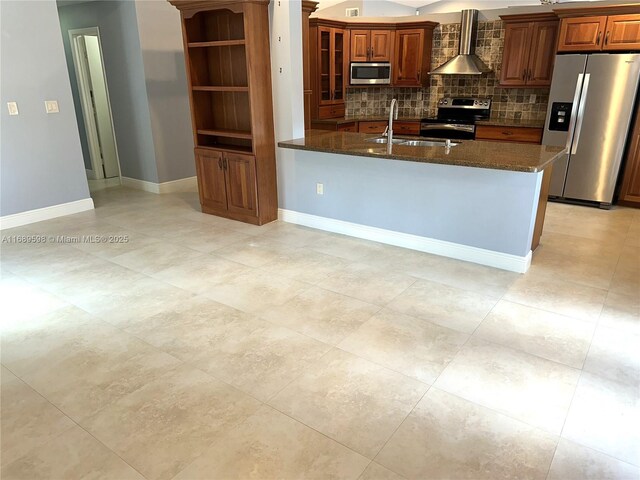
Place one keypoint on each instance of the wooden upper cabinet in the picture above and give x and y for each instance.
(582, 34)
(622, 33)
(360, 41)
(331, 66)
(409, 52)
(515, 59)
(381, 45)
(542, 53)
(529, 50)
(371, 45)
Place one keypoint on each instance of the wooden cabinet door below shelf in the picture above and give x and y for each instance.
(623, 33)
(211, 183)
(360, 45)
(407, 70)
(381, 44)
(241, 183)
(581, 34)
(542, 55)
(515, 59)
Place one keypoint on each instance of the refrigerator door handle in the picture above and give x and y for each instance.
(580, 116)
(574, 112)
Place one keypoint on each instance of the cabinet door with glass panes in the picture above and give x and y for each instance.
(332, 66)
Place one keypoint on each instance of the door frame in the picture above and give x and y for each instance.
(82, 77)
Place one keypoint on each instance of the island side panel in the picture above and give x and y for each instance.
(488, 209)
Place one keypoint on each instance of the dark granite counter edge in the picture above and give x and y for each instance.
(438, 161)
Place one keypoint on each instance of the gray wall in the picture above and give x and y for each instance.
(490, 209)
(40, 155)
(125, 76)
(167, 92)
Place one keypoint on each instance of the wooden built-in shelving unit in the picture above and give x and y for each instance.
(229, 73)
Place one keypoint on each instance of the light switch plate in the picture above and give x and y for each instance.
(51, 106)
(13, 108)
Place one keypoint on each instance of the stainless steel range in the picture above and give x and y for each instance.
(456, 118)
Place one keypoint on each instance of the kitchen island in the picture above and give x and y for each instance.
(482, 202)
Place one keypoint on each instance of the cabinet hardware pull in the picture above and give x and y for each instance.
(606, 38)
(507, 133)
(524, 75)
(530, 75)
(225, 163)
(598, 39)
(220, 163)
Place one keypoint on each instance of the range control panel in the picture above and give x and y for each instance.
(560, 115)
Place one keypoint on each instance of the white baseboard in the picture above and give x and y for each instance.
(182, 185)
(458, 251)
(46, 213)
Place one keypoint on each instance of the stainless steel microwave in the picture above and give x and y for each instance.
(370, 73)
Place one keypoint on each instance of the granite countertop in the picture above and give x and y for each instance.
(498, 122)
(519, 157)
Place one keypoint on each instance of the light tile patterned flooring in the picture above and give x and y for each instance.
(205, 348)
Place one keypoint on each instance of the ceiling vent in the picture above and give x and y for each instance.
(352, 12)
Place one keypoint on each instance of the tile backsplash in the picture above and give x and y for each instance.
(509, 103)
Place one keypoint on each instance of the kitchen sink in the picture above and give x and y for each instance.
(428, 143)
(395, 141)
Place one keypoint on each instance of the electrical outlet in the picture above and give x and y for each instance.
(51, 106)
(13, 108)
(320, 188)
(532, 98)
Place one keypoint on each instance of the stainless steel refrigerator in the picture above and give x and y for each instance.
(590, 108)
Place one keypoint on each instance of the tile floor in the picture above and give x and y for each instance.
(202, 348)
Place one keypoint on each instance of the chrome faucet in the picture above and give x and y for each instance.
(393, 113)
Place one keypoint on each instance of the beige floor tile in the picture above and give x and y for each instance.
(270, 445)
(575, 462)
(114, 240)
(448, 306)
(578, 246)
(604, 415)
(448, 437)
(256, 290)
(305, 265)
(367, 283)
(294, 235)
(321, 314)
(621, 312)
(615, 354)
(165, 425)
(554, 295)
(468, 276)
(21, 300)
(73, 455)
(351, 400)
(376, 471)
(408, 345)
(256, 251)
(204, 237)
(244, 351)
(548, 335)
(523, 386)
(155, 257)
(202, 274)
(348, 248)
(590, 270)
(626, 279)
(27, 420)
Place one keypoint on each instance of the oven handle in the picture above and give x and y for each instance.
(448, 126)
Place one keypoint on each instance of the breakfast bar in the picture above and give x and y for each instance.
(477, 201)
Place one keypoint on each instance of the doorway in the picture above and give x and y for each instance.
(96, 108)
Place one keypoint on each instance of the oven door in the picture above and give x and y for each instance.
(370, 74)
(448, 130)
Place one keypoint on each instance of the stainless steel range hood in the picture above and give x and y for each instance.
(466, 62)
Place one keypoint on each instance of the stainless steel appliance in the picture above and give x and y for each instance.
(363, 73)
(466, 62)
(456, 118)
(590, 107)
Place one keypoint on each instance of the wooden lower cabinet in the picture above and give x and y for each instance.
(348, 127)
(371, 127)
(509, 134)
(406, 128)
(630, 190)
(227, 184)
